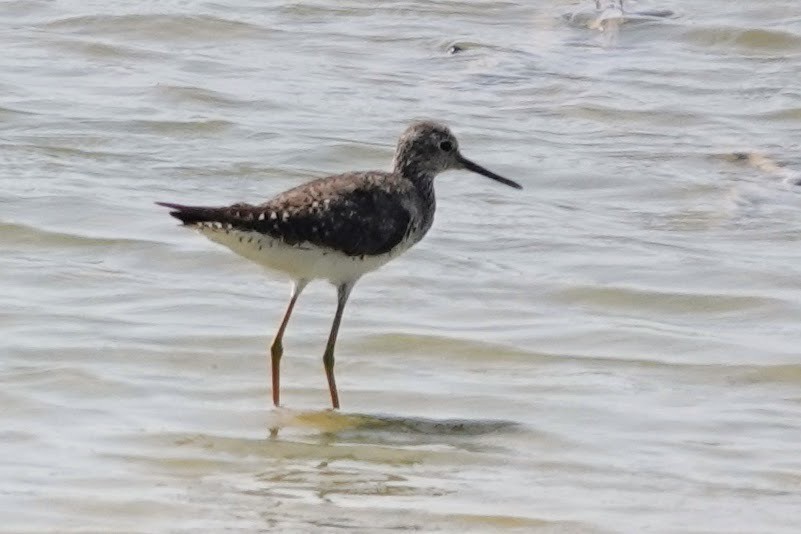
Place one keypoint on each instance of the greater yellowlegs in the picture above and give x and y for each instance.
(339, 227)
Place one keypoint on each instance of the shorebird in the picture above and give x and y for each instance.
(339, 227)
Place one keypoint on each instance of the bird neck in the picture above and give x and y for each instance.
(415, 170)
(410, 165)
(424, 183)
(425, 190)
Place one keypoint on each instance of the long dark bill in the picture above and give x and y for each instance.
(474, 167)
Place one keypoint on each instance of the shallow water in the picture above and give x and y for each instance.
(613, 349)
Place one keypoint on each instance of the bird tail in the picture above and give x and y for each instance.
(190, 215)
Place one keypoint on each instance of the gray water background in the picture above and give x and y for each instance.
(613, 349)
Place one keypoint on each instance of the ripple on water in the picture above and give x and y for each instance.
(666, 302)
(727, 39)
(177, 128)
(183, 94)
(773, 374)
(94, 49)
(160, 26)
(614, 349)
(36, 238)
(412, 425)
(317, 447)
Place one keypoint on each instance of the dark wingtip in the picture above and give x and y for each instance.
(186, 214)
(170, 205)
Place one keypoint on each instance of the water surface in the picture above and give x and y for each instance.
(613, 349)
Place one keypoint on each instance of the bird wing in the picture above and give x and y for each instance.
(357, 215)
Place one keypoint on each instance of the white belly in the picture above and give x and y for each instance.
(302, 261)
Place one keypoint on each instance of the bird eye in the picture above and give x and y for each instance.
(446, 146)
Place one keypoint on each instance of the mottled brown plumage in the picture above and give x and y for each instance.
(356, 213)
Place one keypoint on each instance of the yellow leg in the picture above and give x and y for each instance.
(343, 292)
(277, 348)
